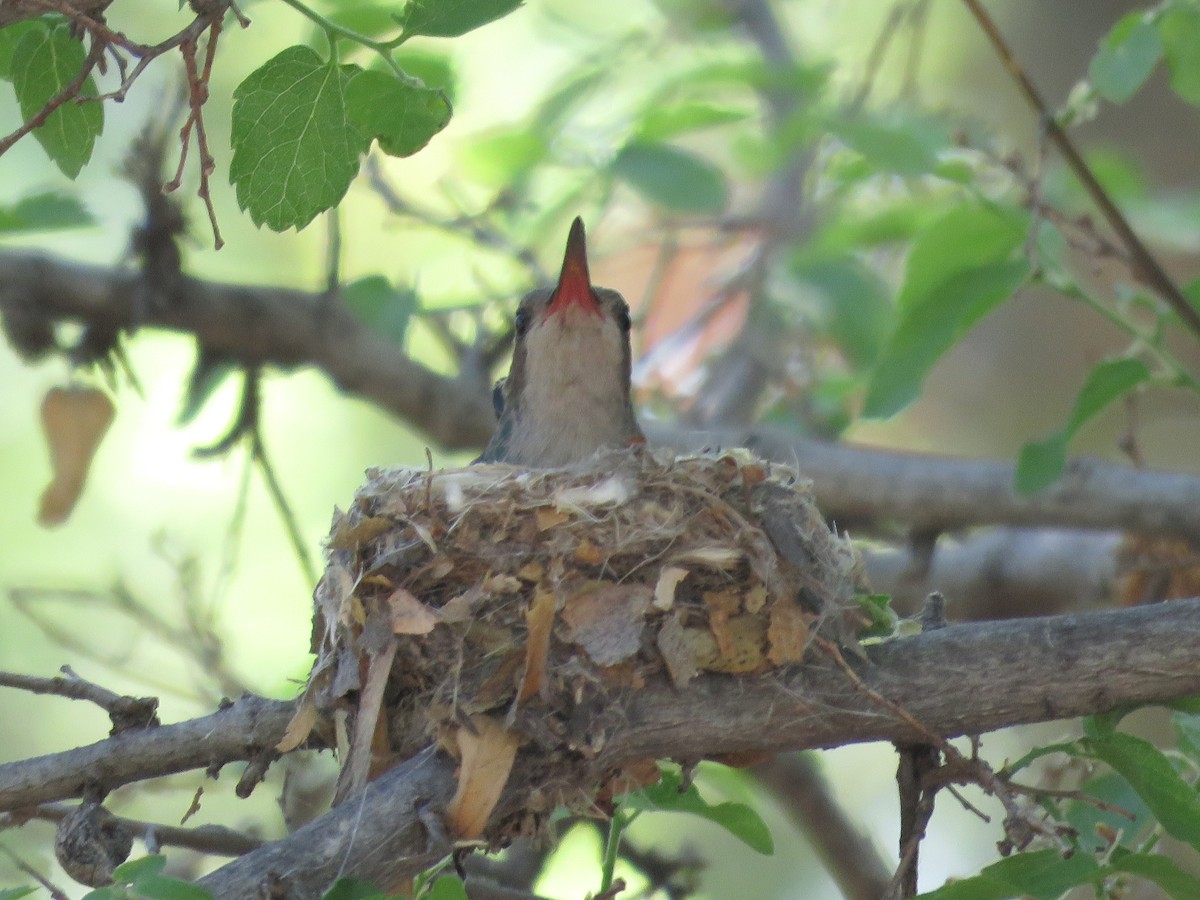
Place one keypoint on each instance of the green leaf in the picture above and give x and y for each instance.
(295, 150)
(43, 63)
(1041, 874)
(1172, 800)
(1127, 56)
(434, 69)
(1041, 463)
(353, 889)
(1161, 870)
(451, 18)
(902, 146)
(1116, 793)
(47, 211)
(1179, 30)
(384, 309)
(447, 887)
(402, 116)
(738, 819)
(661, 123)
(158, 887)
(15, 893)
(855, 304)
(672, 178)
(10, 36)
(883, 617)
(1187, 733)
(147, 866)
(960, 268)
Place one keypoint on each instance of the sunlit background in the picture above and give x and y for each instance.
(155, 522)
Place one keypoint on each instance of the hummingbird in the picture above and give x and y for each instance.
(567, 391)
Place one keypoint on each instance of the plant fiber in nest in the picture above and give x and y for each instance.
(511, 608)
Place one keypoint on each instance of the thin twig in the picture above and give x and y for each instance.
(215, 839)
(56, 893)
(124, 711)
(1145, 266)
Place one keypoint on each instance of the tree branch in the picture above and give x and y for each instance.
(964, 679)
(256, 326)
(291, 328)
(937, 493)
(241, 731)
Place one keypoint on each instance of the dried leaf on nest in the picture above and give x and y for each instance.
(350, 537)
(678, 651)
(487, 750)
(787, 633)
(356, 767)
(409, 615)
(303, 720)
(606, 619)
(539, 618)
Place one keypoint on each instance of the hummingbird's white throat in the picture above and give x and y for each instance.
(575, 389)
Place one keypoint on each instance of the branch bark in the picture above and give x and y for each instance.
(257, 326)
(241, 731)
(289, 328)
(964, 679)
(938, 493)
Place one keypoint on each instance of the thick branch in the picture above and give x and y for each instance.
(287, 328)
(256, 325)
(932, 493)
(957, 680)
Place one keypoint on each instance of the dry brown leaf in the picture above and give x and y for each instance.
(588, 553)
(351, 537)
(502, 584)
(722, 605)
(487, 759)
(461, 607)
(668, 583)
(548, 518)
(531, 571)
(787, 632)
(538, 618)
(677, 651)
(74, 420)
(409, 615)
(500, 685)
(753, 473)
(303, 720)
(756, 598)
(606, 619)
(356, 765)
(746, 642)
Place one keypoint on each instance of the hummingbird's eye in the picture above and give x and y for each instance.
(521, 321)
(623, 318)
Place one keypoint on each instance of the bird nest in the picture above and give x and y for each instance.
(505, 606)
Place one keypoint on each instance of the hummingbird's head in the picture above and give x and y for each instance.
(568, 387)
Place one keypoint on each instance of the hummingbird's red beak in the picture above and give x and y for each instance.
(574, 284)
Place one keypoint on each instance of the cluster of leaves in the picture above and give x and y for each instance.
(1112, 828)
(39, 59)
